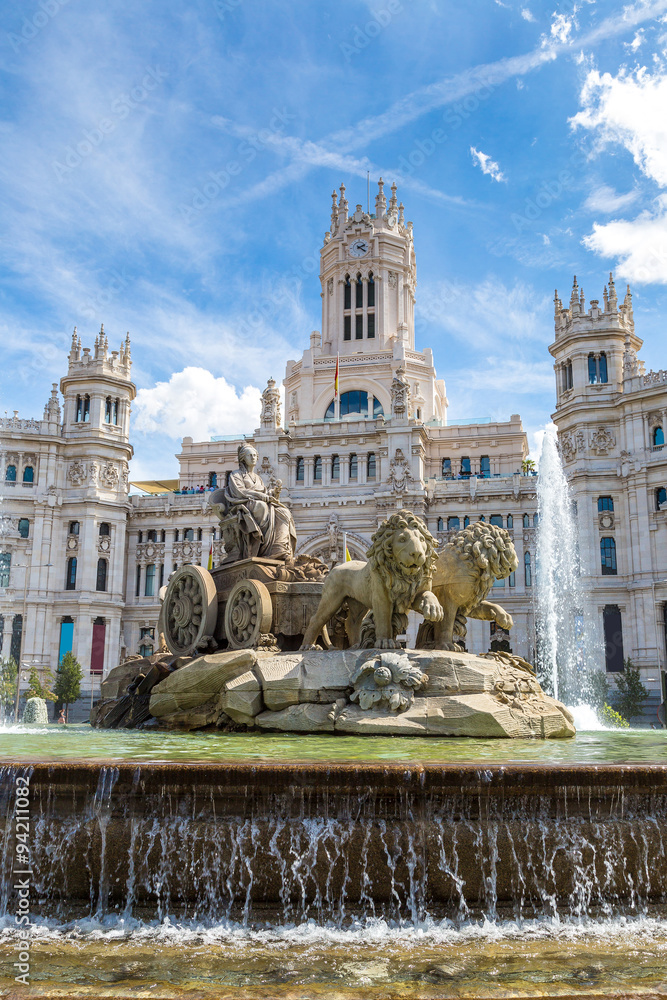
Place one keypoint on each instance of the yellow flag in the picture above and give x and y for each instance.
(348, 557)
(210, 556)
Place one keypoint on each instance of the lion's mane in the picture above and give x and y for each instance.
(402, 586)
(490, 550)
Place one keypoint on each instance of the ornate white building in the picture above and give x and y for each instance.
(345, 460)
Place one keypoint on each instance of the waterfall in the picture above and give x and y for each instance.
(563, 649)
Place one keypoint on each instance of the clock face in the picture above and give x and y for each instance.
(358, 248)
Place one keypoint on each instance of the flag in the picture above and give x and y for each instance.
(348, 557)
(210, 555)
(336, 377)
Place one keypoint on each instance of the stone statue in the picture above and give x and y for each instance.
(400, 394)
(253, 521)
(395, 580)
(271, 414)
(399, 472)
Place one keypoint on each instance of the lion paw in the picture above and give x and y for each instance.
(504, 620)
(387, 644)
(306, 647)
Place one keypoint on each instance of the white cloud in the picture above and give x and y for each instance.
(488, 166)
(194, 402)
(561, 28)
(605, 199)
(527, 15)
(639, 245)
(636, 42)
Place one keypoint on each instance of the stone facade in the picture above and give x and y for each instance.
(345, 463)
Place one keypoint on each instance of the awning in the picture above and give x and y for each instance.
(157, 485)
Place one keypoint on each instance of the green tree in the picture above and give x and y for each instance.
(35, 687)
(528, 467)
(8, 675)
(68, 681)
(631, 693)
(599, 689)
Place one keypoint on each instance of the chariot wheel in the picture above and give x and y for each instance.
(248, 614)
(189, 610)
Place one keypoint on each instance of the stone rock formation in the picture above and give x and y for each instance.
(36, 712)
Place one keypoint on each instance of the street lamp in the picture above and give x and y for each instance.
(26, 567)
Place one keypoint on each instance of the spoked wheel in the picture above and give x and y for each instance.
(190, 610)
(248, 614)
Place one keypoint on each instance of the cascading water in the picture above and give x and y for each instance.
(563, 650)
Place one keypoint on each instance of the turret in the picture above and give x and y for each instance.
(98, 388)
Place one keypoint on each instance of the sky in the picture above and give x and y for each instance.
(166, 169)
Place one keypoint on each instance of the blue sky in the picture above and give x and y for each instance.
(167, 168)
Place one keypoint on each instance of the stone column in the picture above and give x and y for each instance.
(362, 458)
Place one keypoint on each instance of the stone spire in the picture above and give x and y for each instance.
(582, 302)
(613, 301)
(401, 217)
(334, 211)
(125, 353)
(343, 203)
(574, 297)
(605, 299)
(75, 349)
(380, 200)
(393, 201)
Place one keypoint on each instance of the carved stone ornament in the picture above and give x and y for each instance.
(92, 472)
(400, 394)
(606, 521)
(572, 442)
(388, 682)
(77, 473)
(271, 415)
(109, 475)
(393, 279)
(602, 440)
(104, 543)
(399, 476)
(330, 286)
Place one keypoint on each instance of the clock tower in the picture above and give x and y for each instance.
(368, 274)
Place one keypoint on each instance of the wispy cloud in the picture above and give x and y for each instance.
(487, 165)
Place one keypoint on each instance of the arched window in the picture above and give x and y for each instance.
(107, 410)
(105, 529)
(660, 497)
(149, 586)
(465, 466)
(161, 581)
(300, 470)
(526, 521)
(151, 535)
(370, 465)
(512, 579)
(347, 293)
(10, 474)
(604, 377)
(353, 466)
(370, 294)
(485, 466)
(441, 524)
(466, 521)
(116, 409)
(496, 519)
(140, 537)
(335, 467)
(359, 293)
(70, 576)
(163, 535)
(188, 535)
(317, 469)
(176, 535)
(86, 408)
(199, 534)
(536, 519)
(453, 524)
(79, 410)
(592, 370)
(527, 571)
(212, 480)
(353, 403)
(24, 527)
(658, 437)
(74, 527)
(608, 556)
(605, 503)
(446, 467)
(28, 474)
(101, 575)
(510, 521)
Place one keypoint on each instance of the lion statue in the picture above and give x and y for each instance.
(396, 579)
(465, 571)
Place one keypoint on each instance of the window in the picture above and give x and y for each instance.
(66, 637)
(28, 474)
(605, 503)
(353, 466)
(567, 376)
(335, 467)
(199, 534)
(660, 497)
(24, 527)
(101, 575)
(10, 475)
(188, 534)
(354, 402)
(106, 530)
(86, 408)
(107, 410)
(602, 368)
(116, 408)
(592, 370)
(359, 326)
(176, 535)
(347, 328)
(496, 519)
(613, 638)
(370, 294)
(79, 410)
(526, 521)
(151, 535)
(485, 466)
(510, 521)
(347, 293)
(17, 635)
(370, 329)
(465, 466)
(163, 535)
(446, 466)
(378, 410)
(512, 579)
(536, 519)
(74, 527)
(441, 524)
(140, 537)
(97, 646)
(466, 521)
(5, 567)
(70, 576)
(597, 369)
(453, 524)
(527, 571)
(137, 586)
(300, 470)
(149, 584)
(370, 465)
(498, 582)
(212, 479)
(608, 556)
(359, 295)
(317, 469)
(145, 650)
(658, 438)
(161, 578)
